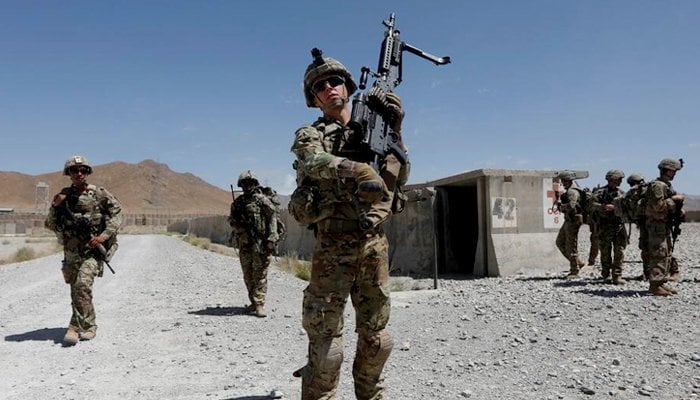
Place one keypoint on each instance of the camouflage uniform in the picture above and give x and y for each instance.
(636, 182)
(254, 220)
(659, 208)
(101, 212)
(611, 235)
(595, 243)
(347, 260)
(567, 239)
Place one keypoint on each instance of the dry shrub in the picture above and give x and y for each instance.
(203, 243)
(24, 254)
(292, 264)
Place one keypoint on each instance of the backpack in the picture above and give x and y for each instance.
(585, 203)
(634, 203)
(271, 194)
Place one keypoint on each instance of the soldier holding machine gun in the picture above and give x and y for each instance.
(663, 216)
(86, 219)
(351, 164)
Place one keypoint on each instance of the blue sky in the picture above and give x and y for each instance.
(214, 87)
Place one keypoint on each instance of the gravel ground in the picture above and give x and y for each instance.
(172, 326)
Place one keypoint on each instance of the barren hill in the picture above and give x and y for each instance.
(146, 187)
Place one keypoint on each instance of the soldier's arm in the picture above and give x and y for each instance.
(658, 201)
(316, 162)
(112, 209)
(571, 206)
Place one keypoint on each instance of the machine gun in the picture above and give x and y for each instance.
(677, 218)
(83, 229)
(377, 138)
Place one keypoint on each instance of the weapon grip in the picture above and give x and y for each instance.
(364, 75)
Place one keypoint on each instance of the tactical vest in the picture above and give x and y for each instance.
(85, 206)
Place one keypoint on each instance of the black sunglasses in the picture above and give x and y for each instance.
(332, 81)
(82, 170)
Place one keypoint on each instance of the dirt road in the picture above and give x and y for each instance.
(172, 326)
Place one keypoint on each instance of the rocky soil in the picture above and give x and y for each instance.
(172, 326)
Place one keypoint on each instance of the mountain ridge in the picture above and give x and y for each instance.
(146, 187)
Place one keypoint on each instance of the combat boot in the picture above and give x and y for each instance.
(88, 334)
(617, 280)
(572, 275)
(72, 336)
(260, 311)
(670, 289)
(658, 290)
(674, 276)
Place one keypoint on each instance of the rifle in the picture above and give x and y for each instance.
(377, 138)
(677, 218)
(82, 227)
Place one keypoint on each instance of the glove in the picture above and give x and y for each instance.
(388, 105)
(370, 186)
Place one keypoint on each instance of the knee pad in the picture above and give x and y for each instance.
(326, 354)
(375, 346)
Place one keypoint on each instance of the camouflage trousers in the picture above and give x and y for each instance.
(613, 240)
(567, 243)
(659, 252)
(79, 271)
(355, 265)
(643, 246)
(254, 266)
(595, 247)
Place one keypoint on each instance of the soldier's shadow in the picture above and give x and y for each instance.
(39, 335)
(221, 311)
(249, 398)
(614, 292)
(573, 283)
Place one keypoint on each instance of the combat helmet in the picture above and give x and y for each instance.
(635, 179)
(76, 161)
(247, 175)
(322, 66)
(614, 174)
(671, 163)
(566, 175)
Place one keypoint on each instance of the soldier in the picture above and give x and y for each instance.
(335, 192)
(611, 235)
(632, 197)
(567, 239)
(86, 219)
(254, 220)
(663, 204)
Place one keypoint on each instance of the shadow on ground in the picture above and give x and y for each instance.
(39, 335)
(223, 311)
(614, 293)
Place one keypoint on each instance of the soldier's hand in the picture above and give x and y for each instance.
(678, 198)
(609, 207)
(58, 200)
(96, 240)
(578, 219)
(388, 105)
(270, 247)
(370, 186)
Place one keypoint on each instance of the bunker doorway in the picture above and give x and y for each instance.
(457, 229)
